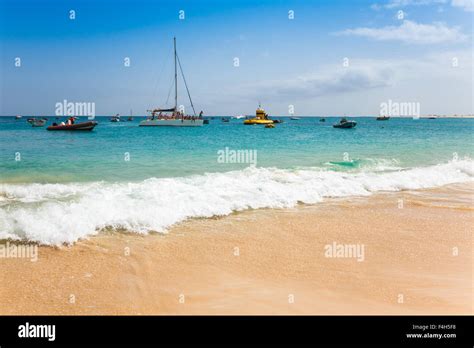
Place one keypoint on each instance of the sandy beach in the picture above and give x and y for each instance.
(417, 259)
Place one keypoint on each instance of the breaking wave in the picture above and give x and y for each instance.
(63, 213)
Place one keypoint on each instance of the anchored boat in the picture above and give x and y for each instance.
(383, 118)
(38, 122)
(344, 123)
(172, 116)
(115, 118)
(260, 118)
(83, 126)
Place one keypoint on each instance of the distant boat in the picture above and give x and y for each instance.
(322, 120)
(84, 126)
(130, 118)
(17, 117)
(38, 122)
(383, 118)
(115, 118)
(239, 117)
(225, 119)
(344, 123)
(278, 121)
(261, 117)
(295, 118)
(432, 118)
(172, 116)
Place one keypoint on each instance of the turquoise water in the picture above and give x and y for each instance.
(60, 157)
(70, 185)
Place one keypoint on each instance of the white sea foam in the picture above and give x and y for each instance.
(63, 213)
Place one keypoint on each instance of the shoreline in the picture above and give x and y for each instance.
(266, 262)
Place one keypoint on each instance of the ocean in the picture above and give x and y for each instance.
(59, 187)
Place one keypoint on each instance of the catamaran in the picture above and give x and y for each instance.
(173, 116)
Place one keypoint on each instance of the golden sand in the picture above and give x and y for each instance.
(418, 259)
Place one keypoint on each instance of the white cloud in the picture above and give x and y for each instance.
(466, 5)
(411, 32)
(404, 3)
(361, 75)
(334, 80)
(359, 88)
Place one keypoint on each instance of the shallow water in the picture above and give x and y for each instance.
(68, 185)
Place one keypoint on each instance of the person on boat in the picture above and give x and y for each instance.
(200, 114)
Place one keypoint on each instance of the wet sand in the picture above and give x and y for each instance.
(418, 258)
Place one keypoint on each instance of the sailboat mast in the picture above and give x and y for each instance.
(175, 80)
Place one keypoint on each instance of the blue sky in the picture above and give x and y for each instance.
(282, 61)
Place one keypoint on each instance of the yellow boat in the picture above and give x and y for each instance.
(260, 118)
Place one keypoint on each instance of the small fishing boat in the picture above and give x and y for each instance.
(83, 126)
(261, 117)
(38, 123)
(295, 118)
(344, 123)
(225, 119)
(322, 120)
(17, 117)
(130, 118)
(383, 118)
(278, 121)
(115, 118)
(238, 117)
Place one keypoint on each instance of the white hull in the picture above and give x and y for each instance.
(172, 123)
